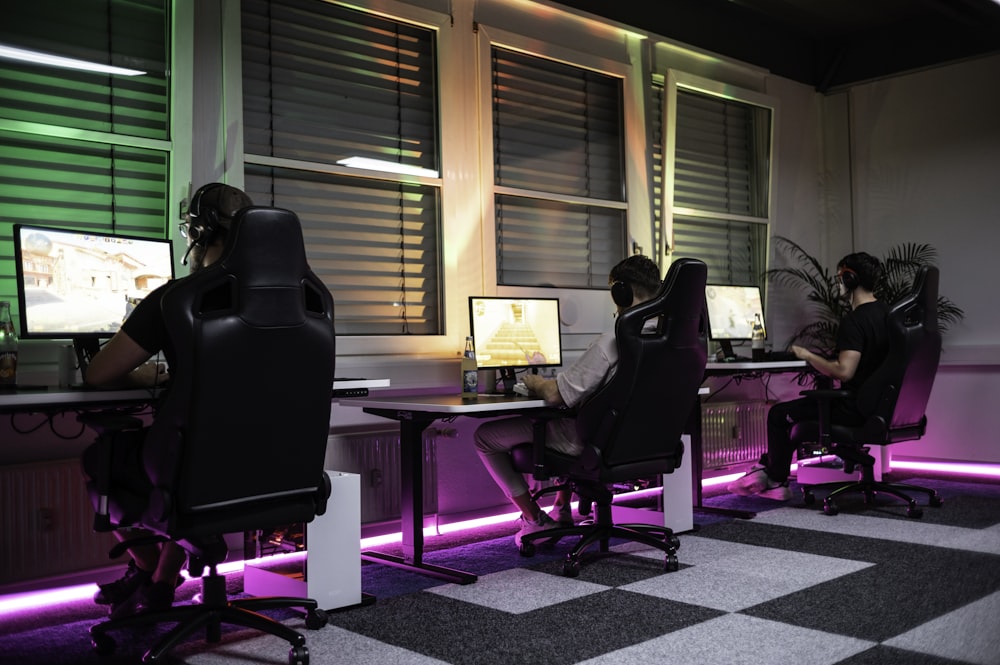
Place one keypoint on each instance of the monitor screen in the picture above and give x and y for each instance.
(731, 311)
(515, 332)
(78, 284)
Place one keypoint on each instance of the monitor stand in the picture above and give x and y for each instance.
(509, 378)
(726, 349)
(86, 348)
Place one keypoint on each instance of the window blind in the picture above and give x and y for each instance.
(721, 176)
(323, 83)
(557, 138)
(104, 183)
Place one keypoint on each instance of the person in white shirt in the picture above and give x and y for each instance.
(633, 281)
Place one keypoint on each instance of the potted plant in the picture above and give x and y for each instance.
(899, 264)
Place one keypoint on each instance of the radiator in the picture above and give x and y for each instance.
(46, 522)
(374, 455)
(733, 432)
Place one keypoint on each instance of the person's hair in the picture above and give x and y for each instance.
(639, 272)
(865, 266)
(225, 200)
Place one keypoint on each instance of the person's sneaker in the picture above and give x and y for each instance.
(753, 481)
(112, 593)
(776, 491)
(562, 515)
(149, 597)
(543, 523)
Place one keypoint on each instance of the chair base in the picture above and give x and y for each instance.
(869, 487)
(215, 610)
(600, 533)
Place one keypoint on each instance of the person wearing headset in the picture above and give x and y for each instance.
(154, 570)
(634, 280)
(862, 344)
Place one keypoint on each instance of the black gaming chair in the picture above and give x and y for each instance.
(239, 440)
(631, 427)
(893, 401)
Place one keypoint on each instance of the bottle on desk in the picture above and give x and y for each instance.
(757, 335)
(470, 371)
(8, 347)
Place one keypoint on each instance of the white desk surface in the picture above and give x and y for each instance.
(452, 403)
(55, 396)
(763, 365)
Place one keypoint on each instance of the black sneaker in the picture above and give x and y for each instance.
(150, 597)
(112, 593)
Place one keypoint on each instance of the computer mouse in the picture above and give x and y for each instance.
(521, 389)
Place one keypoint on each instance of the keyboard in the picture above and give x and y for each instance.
(779, 356)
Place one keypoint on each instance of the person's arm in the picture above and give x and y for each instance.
(122, 363)
(841, 368)
(547, 389)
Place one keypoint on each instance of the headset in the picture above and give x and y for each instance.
(848, 278)
(204, 225)
(621, 293)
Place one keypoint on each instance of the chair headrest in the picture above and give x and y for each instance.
(265, 246)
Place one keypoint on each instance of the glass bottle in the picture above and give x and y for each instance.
(8, 347)
(470, 372)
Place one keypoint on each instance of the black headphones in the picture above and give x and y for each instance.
(204, 225)
(848, 278)
(621, 293)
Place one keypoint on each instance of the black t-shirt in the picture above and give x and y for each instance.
(146, 327)
(865, 329)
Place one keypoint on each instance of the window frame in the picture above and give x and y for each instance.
(674, 80)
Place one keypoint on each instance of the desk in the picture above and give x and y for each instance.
(56, 399)
(414, 413)
(694, 428)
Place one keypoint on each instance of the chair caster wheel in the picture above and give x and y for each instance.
(914, 511)
(935, 501)
(571, 568)
(103, 644)
(527, 549)
(316, 619)
(830, 508)
(298, 655)
(674, 541)
(671, 564)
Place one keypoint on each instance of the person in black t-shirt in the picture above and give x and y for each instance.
(862, 344)
(154, 571)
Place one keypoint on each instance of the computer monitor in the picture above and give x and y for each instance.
(514, 333)
(81, 285)
(731, 313)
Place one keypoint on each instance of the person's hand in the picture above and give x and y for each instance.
(149, 374)
(801, 352)
(547, 389)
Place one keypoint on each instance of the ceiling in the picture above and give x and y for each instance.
(824, 43)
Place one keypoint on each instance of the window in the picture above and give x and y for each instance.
(717, 158)
(113, 174)
(324, 88)
(559, 191)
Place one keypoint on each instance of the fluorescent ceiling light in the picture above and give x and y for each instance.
(39, 58)
(382, 165)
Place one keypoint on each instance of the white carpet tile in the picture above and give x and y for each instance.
(735, 576)
(738, 640)
(499, 591)
(970, 634)
(899, 530)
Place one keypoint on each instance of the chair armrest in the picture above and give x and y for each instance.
(827, 394)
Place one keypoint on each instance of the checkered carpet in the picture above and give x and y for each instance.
(790, 586)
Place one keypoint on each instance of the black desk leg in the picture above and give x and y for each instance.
(698, 468)
(411, 451)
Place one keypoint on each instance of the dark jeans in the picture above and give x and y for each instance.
(780, 419)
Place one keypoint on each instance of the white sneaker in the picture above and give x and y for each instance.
(562, 515)
(753, 481)
(776, 491)
(544, 523)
